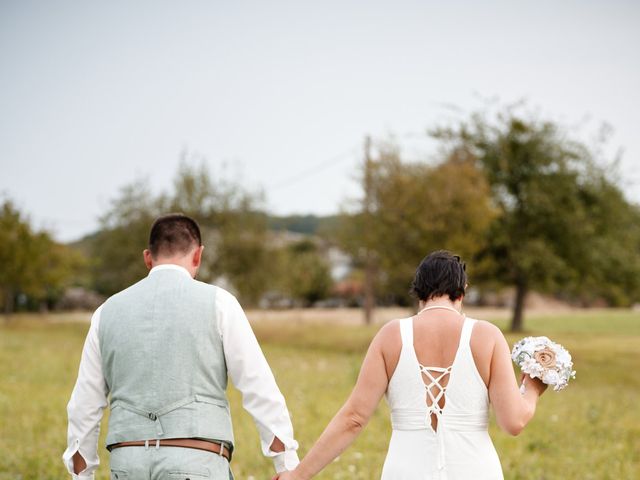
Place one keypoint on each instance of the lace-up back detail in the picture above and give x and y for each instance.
(436, 389)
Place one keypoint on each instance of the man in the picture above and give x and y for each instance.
(162, 350)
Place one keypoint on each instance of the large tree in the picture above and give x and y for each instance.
(32, 263)
(116, 249)
(15, 241)
(417, 207)
(233, 227)
(560, 215)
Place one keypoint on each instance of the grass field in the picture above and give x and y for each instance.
(589, 431)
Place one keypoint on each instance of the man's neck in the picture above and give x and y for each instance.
(174, 262)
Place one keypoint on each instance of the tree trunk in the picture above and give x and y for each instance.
(8, 303)
(518, 308)
(369, 294)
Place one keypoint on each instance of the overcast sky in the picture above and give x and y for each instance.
(94, 95)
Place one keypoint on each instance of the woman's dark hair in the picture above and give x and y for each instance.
(440, 273)
(173, 233)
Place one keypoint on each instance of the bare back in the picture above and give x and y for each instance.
(436, 336)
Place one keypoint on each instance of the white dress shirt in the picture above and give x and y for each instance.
(247, 368)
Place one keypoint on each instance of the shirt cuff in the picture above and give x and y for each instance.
(83, 476)
(68, 462)
(287, 460)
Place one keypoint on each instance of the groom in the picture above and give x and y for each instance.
(161, 350)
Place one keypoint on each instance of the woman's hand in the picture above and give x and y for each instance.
(533, 383)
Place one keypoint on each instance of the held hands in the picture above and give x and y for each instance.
(286, 475)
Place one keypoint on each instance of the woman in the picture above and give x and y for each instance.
(440, 370)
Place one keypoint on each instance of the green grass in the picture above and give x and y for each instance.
(589, 431)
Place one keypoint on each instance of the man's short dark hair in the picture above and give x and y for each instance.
(173, 234)
(440, 273)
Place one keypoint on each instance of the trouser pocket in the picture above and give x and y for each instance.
(187, 476)
(119, 475)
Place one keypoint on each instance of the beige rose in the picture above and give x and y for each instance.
(545, 357)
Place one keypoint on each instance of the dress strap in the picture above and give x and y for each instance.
(406, 332)
(465, 335)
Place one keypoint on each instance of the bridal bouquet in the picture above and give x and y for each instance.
(541, 358)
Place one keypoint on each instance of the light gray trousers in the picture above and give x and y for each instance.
(167, 463)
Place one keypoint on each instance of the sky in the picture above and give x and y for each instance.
(280, 95)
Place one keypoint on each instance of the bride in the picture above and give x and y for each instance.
(440, 371)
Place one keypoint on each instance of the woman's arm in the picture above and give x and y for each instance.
(347, 424)
(513, 409)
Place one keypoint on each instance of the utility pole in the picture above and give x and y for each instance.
(369, 267)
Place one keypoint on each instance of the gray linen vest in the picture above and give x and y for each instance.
(163, 361)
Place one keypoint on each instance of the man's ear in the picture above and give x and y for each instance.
(148, 260)
(197, 256)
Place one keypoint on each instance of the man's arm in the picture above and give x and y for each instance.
(250, 373)
(88, 400)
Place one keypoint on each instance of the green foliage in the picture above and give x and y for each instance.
(561, 223)
(417, 208)
(234, 232)
(15, 244)
(305, 273)
(116, 250)
(33, 264)
(242, 254)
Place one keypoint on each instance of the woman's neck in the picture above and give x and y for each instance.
(441, 302)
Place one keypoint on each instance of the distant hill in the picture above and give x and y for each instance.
(85, 243)
(306, 224)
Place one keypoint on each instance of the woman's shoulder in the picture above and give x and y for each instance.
(485, 327)
(392, 329)
(389, 336)
(485, 334)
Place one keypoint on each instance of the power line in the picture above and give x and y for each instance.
(314, 169)
(351, 153)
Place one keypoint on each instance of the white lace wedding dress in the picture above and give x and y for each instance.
(460, 447)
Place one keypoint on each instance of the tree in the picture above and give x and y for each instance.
(116, 250)
(416, 208)
(556, 206)
(15, 240)
(306, 274)
(33, 264)
(233, 227)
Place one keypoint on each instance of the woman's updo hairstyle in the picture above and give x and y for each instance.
(440, 273)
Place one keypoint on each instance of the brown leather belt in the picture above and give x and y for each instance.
(220, 448)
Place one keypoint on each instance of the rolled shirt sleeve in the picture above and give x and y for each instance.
(85, 408)
(252, 376)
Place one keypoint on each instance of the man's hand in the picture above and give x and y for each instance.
(287, 475)
(79, 463)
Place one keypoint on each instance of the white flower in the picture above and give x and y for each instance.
(532, 368)
(551, 377)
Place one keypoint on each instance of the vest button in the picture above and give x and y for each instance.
(152, 416)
